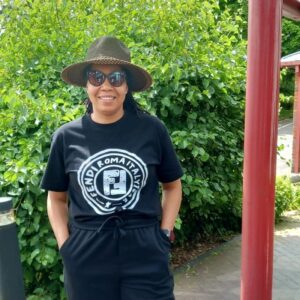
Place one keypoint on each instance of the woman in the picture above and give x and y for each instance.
(102, 177)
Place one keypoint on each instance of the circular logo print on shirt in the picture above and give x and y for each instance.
(112, 179)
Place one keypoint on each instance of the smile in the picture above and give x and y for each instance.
(106, 98)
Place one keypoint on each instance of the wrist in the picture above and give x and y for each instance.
(169, 233)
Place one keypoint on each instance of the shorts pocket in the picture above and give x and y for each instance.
(66, 243)
(163, 237)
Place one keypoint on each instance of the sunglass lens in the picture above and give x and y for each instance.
(116, 78)
(96, 78)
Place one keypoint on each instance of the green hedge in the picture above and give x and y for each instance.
(287, 196)
(195, 53)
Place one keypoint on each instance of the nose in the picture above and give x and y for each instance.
(106, 84)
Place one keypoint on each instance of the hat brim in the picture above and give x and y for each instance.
(139, 79)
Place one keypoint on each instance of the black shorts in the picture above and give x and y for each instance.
(117, 260)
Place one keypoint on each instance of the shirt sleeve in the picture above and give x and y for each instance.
(55, 177)
(169, 168)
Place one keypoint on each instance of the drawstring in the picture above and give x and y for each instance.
(118, 231)
(120, 226)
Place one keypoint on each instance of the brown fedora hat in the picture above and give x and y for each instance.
(108, 50)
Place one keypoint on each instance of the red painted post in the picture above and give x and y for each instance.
(296, 130)
(260, 148)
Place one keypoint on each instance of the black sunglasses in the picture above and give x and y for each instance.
(97, 78)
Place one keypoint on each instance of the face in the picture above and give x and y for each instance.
(106, 99)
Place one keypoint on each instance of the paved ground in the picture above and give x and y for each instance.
(216, 275)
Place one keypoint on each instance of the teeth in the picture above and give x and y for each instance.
(107, 97)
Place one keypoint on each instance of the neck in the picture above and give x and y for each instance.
(106, 119)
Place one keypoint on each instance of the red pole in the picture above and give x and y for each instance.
(296, 117)
(260, 148)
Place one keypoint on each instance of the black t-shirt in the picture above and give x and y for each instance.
(108, 168)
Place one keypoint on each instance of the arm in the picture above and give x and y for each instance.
(57, 208)
(171, 200)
